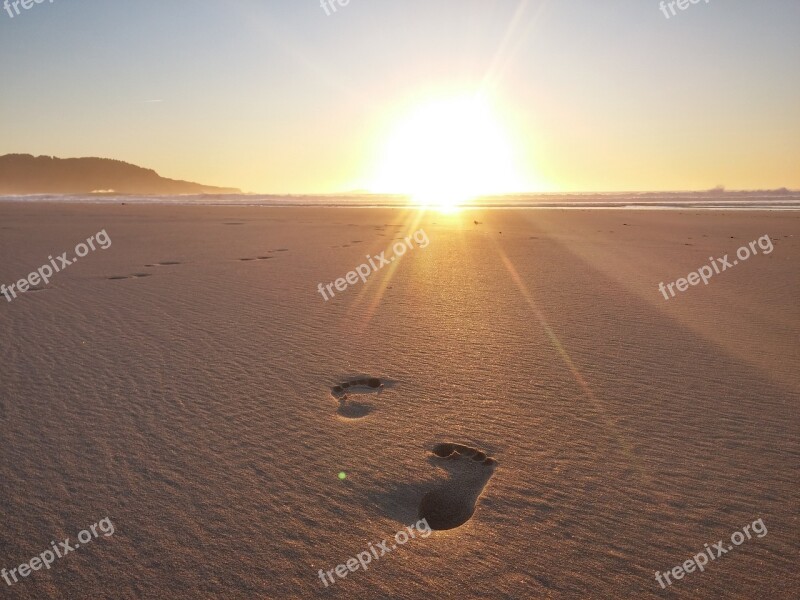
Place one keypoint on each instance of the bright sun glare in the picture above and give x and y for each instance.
(448, 152)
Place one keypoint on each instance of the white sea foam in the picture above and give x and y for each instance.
(710, 200)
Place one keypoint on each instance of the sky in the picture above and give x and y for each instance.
(495, 96)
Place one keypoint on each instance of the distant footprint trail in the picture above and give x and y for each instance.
(452, 503)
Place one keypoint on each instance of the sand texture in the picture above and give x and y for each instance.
(569, 430)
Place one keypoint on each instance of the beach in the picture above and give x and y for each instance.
(180, 382)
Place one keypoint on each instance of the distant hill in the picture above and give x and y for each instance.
(26, 174)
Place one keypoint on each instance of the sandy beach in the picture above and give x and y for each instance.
(182, 383)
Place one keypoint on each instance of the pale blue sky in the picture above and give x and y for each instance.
(276, 96)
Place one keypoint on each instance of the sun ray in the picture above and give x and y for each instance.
(384, 277)
(600, 410)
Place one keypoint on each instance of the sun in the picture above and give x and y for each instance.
(447, 152)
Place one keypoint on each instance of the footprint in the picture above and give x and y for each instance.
(166, 263)
(452, 503)
(348, 408)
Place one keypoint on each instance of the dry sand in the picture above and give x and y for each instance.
(193, 407)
